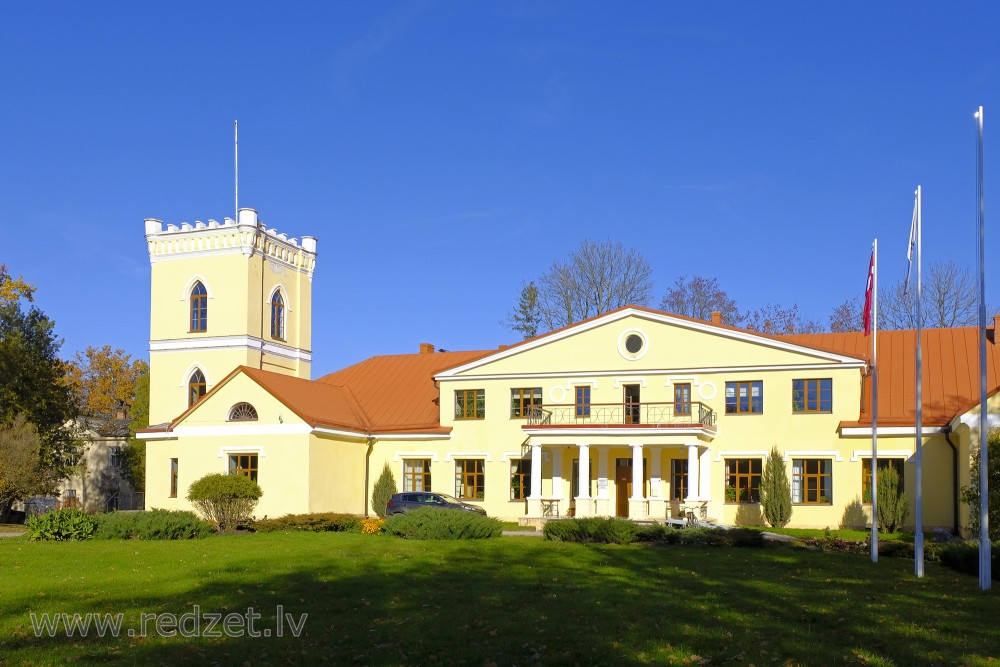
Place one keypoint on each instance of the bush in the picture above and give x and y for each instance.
(964, 557)
(319, 522)
(156, 524)
(593, 529)
(438, 524)
(892, 506)
(225, 500)
(62, 524)
(775, 491)
(970, 493)
(384, 489)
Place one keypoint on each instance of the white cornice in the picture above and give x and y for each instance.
(655, 371)
(704, 327)
(866, 431)
(229, 342)
(603, 433)
(241, 430)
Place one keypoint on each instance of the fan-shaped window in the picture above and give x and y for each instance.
(243, 412)
(277, 316)
(199, 307)
(196, 387)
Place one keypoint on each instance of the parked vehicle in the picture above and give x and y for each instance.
(404, 502)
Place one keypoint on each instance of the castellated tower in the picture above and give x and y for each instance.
(224, 295)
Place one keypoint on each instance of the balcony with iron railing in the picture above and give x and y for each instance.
(689, 414)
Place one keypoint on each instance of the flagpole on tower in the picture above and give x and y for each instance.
(236, 167)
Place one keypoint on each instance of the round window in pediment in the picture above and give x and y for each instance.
(243, 412)
(633, 344)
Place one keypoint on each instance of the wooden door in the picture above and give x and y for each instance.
(623, 489)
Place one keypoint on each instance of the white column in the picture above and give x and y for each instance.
(535, 497)
(637, 503)
(657, 505)
(693, 476)
(602, 482)
(557, 480)
(584, 507)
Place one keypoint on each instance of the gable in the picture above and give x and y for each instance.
(214, 408)
(666, 342)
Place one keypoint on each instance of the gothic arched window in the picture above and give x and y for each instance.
(277, 316)
(199, 307)
(196, 387)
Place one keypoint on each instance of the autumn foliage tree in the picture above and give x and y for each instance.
(105, 381)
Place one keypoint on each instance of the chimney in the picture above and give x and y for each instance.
(991, 334)
(426, 348)
(716, 317)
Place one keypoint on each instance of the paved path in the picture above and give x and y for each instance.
(523, 533)
(12, 534)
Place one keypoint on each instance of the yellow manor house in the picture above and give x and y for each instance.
(636, 412)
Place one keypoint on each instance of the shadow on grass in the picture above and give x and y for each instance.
(386, 601)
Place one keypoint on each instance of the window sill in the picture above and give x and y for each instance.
(744, 414)
(469, 419)
(748, 502)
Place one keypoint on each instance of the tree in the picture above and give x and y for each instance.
(775, 491)
(21, 473)
(104, 381)
(134, 453)
(527, 317)
(848, 316)
(596, 278)
(12, 290)
(950, 299)
(970, 494)
(32, 383)
(384, 489)
(892, 506)
(698, 298)
(776, 320)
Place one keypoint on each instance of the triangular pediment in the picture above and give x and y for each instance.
(637, 340)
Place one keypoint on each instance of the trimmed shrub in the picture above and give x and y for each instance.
(744, 537)
(892, 506)
(775, 491)
(437, 524)
(62, 524)
(319, 522)
(155, 524)
(225, 500)
(384, 489)
(593, 529)
(964, 557)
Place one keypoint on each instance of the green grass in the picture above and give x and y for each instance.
(842, 533)
(378, 600)
(514, 525)
(12, 528)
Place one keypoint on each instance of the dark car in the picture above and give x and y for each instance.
(404, 502)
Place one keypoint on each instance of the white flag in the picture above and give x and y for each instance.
(909, 248)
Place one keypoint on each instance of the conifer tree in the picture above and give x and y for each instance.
(892, 506)
(384, 489)
(775, 491)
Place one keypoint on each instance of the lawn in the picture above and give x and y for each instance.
(515, 600)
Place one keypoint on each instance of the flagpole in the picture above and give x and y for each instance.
(985, 547)
(236, 167)
(874, 482)
(918, 537)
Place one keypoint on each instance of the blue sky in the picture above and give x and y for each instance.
(444, 152)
